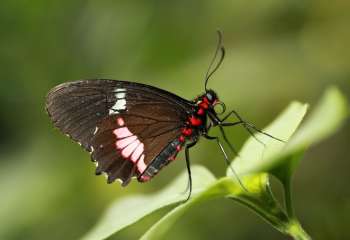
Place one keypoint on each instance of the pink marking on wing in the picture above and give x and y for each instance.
(137, 153)
(125, 142)
(122, 132)
(130, 149)
(120, 121)
(141, 166)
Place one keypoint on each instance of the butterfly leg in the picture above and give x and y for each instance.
(188, 165)
(218, 123)
(227, 141)
(247, 125)
(226, 159)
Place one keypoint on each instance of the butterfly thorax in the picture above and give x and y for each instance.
(196, 123)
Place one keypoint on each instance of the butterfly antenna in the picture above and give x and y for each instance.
(219, 49)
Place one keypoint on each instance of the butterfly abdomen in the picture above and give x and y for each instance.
(167, 155)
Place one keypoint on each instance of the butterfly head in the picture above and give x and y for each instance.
(211, 97)
(208, 99)
(214, 101)
(208, 102)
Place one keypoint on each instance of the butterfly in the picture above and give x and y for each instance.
(134, 130)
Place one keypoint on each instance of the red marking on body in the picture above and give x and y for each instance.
(203, 105)
(178, 148)
(200, 111)
(205, 99)
(195, 121)
(145, 178)
(187, 131)
(182, 139)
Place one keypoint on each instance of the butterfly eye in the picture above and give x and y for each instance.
(209, 96)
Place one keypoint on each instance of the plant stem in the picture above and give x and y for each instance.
(288, 197)
(295, 230)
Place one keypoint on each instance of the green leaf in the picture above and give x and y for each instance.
(329, 115)
(134, 208)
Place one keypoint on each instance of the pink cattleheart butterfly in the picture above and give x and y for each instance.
(133, 129)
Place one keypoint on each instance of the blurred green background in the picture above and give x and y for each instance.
(277, 51)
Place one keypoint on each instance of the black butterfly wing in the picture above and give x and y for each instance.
(77, 107)
(88, 112)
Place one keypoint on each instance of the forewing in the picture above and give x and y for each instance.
(77, 107)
